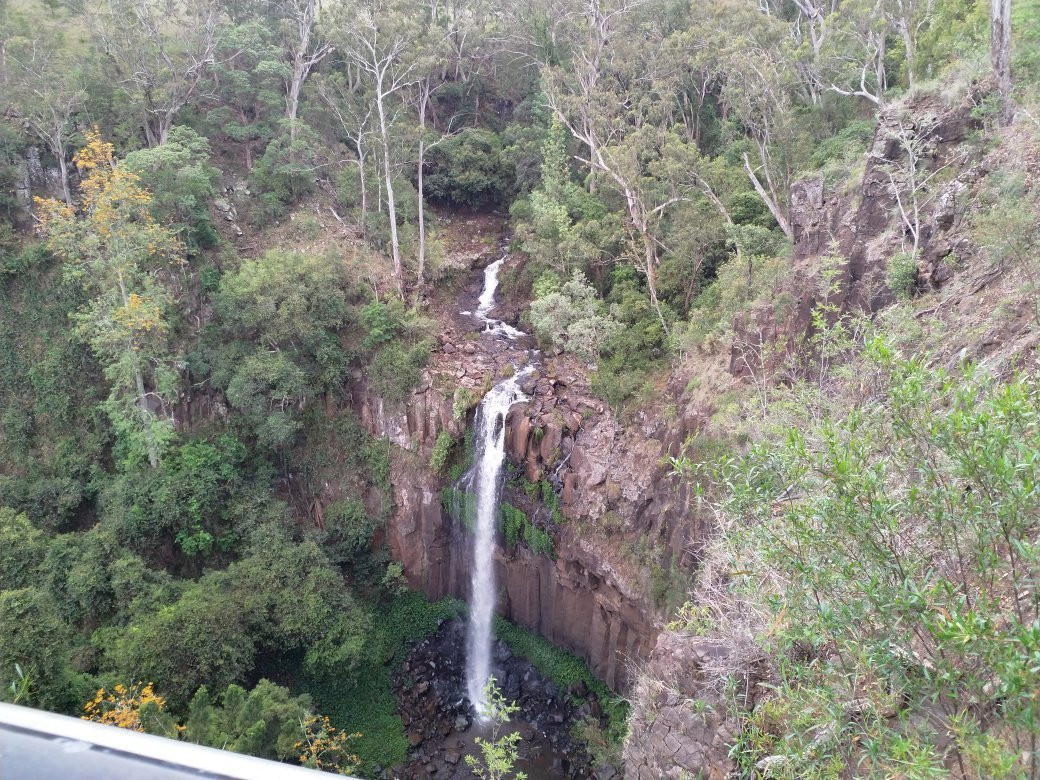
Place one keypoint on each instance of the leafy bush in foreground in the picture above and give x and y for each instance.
(887, 556)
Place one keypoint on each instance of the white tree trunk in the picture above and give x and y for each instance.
(391, 204)
(1000, 44)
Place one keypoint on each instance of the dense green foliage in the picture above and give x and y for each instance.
(363, 702)
(883, 556)
(517, 527)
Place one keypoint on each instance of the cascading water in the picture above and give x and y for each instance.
(484, 483)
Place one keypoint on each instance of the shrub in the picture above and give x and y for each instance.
(517, 527)
(190, 497)
(469, 169)
(441, 451)
(397, 369)
(383, 322)
(572, 318)
(285, 172)
(1007, 226)
(182, 181)
(887, 582)
(22, 547)
(902, 274)
(348, 529)
(348, 186)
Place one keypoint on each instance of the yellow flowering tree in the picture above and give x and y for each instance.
(114, 247)
(325, 747)
(135, 707)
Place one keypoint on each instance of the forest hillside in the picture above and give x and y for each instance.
(770, 504)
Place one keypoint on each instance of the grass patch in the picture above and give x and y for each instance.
(517, 528)
(364, 701)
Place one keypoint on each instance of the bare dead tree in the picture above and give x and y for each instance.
(378, 52)
(353, 112)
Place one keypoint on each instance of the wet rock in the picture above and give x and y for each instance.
(438, 718)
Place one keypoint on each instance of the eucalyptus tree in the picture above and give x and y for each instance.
(303, 47)
(161, 53)
(45, 95)
(376, 37)
(854, 61)
(907, 19)
(754, 57)
(247, 85)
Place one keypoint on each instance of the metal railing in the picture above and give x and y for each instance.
(38, 745)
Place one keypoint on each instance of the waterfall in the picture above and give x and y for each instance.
(484, 482)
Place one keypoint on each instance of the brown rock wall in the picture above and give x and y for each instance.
(586, 600)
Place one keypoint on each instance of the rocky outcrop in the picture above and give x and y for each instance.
(862, 230)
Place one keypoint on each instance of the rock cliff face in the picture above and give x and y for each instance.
(613, 492)
(683, 731)
(590, 599)
(862, 229)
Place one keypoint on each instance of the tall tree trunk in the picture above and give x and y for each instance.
(293, 101)
(364, 191)
(911, 54)
(391, 205)
(422, 222)
(424, 99)
(650, 257)
(142, 396)
(63, 165)
(769, 199)
(1000, 45)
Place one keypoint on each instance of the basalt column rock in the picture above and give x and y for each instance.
(585, 601)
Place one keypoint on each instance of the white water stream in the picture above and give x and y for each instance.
(485, 481)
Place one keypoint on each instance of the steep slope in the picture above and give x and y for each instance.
(966, 306)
